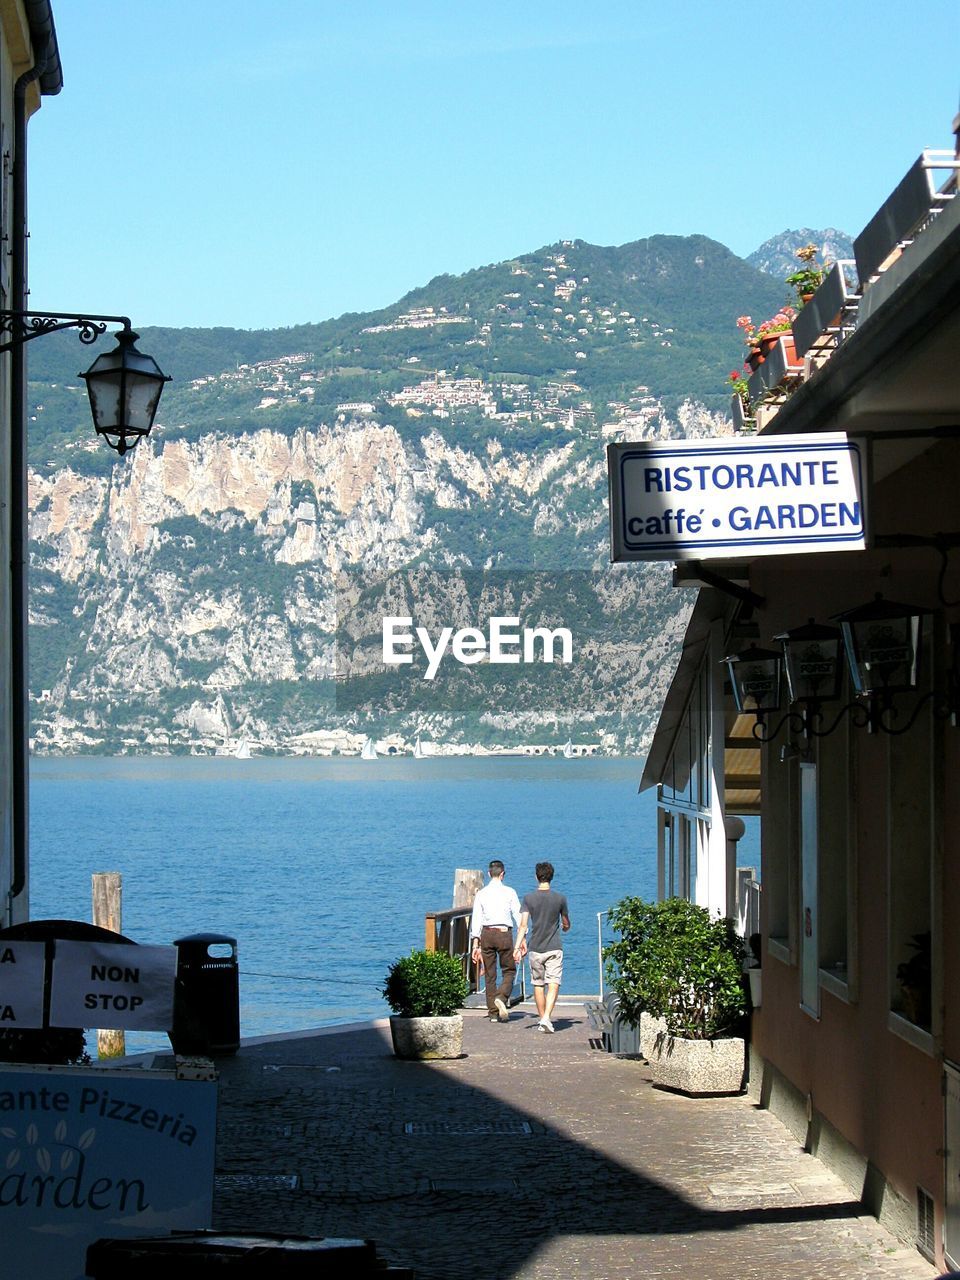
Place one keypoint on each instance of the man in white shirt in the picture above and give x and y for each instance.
(495, 908)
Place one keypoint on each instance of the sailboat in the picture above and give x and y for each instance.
(369, 751)
(417, 749)
(243, 750)
(568, 751)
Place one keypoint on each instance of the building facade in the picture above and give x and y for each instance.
(29, 70)
(856, 1040)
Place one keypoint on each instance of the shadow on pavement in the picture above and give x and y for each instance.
(442, 1164)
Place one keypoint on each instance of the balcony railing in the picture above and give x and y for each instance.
(905, 213)
(830, 316)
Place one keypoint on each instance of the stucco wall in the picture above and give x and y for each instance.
(870, 1075)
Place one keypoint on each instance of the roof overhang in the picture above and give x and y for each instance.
(710, 605)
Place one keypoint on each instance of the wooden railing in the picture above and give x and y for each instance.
(450, 931)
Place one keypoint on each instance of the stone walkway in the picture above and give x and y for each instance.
(531, 1156)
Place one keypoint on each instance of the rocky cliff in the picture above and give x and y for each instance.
(223, 587)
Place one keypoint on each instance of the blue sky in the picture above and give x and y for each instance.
(258, 165)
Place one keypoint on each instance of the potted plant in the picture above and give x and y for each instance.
(677, 962)
(809, 277)
(768, 332)
(754, 357)
(425, 990)
(738, 385)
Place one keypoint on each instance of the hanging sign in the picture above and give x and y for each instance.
(87, 1153)
(112, 985)
(713, 499)
(21, 984)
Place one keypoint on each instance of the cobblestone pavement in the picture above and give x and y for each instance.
(531, 1156)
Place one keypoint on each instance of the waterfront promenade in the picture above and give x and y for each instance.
(533, 1156)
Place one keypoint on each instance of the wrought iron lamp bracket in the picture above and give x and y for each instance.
(24, 326)
(876, 714)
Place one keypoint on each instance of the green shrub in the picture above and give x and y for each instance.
(49, 1046)
(425, 984)
(676, 961)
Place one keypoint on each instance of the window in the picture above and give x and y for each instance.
(837, 854)
(910, 824)
(779, 843)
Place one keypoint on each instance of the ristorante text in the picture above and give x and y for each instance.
(766, 477)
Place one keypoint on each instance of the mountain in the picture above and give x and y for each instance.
(441, 459)
(777, 256)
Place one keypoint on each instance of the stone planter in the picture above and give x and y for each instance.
(698, 1066)
(650, 1028)
(426, 1038)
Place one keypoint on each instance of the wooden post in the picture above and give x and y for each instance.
(466, 886)
(107, 892)
(430, 932)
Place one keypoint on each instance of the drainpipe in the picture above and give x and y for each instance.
(46, 69)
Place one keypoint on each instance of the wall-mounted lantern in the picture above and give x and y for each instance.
(755, 678)
(124, 387)
(811, 659)
(124, 384)
(882, 642)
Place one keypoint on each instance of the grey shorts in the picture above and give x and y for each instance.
(545, 967)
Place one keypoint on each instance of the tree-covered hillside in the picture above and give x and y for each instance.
(658, 312)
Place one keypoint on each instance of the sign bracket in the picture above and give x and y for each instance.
(693, 572)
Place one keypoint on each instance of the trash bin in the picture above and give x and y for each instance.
(206, 1004)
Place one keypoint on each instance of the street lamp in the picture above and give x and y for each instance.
(124, 385)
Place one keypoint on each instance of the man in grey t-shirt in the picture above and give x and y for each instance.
(544, 914)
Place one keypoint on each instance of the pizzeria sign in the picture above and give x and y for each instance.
(713, 499)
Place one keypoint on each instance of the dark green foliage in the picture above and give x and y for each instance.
(675, 961)
(425, 984)
(50, 1046)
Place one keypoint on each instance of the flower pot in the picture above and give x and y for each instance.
(754, 358)
(427, 1038)
(769, 342)
(698, 1066)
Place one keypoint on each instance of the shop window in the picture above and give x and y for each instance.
(836, 855)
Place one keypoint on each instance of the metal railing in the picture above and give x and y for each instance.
(906, 212)
(450, 931)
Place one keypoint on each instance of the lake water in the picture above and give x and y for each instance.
(323, 869)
